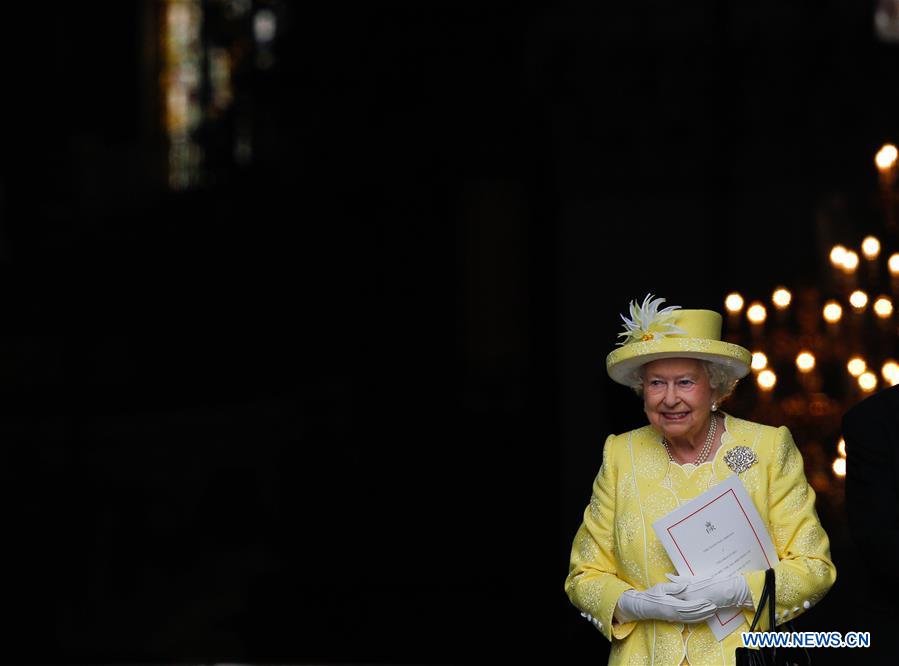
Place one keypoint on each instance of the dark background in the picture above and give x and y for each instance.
(345, 403)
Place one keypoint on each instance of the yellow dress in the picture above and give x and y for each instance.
(616, 549)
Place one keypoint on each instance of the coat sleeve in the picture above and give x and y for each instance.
(592, 583)
(805, 572)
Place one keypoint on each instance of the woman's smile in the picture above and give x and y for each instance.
(677, 398)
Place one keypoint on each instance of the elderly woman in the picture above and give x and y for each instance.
(620, 575)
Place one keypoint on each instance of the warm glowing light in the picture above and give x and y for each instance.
(805, 361)
(858, 299)
(837, 254)
(841, 447)
(781, 297)
(839, 467)
(886, 157)
(850, 261)
(756, 313)
(856, 366)
(893, 263)
(766, 380)
(832, 312)
(883, 307)
(890, 372)
(871, 247)
(733, 302)
(759, 361)
(867, 381)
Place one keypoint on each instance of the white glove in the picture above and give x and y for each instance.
(724, 591)
(658, 603)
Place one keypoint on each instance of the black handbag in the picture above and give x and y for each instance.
(771, 656)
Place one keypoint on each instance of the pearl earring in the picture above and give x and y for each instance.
(714, 406)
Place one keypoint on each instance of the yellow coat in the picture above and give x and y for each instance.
(616, 549)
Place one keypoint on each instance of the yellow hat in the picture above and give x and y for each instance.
(650, 334)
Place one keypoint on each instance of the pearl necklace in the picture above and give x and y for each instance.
(704, 453)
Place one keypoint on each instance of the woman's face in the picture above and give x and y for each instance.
(677, 397)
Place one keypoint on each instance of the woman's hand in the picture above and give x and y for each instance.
(660, 603)
(723, 591)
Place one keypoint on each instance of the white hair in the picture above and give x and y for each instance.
(722, 379)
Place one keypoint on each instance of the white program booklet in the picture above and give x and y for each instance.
(718, 533)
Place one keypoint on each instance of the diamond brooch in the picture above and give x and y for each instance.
(740, 458)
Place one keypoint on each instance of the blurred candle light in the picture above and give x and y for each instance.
(766, 380)
(841, 447)
(756, 313)
(781, 298)
(871, 247)
(885, 158)
(832, 312)
(733, 302)
(850, 261)
(805, 361)
(858, 299)
(759, 361)
(839, 467)
(867, 381)
(890, 372)
(883, 307)
(856, 366)
(837, 254)
(893, 263)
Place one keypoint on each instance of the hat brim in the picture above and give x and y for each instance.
(622, 362)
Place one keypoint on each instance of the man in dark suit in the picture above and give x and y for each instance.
(871, 431)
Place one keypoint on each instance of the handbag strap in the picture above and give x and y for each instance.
(767, 597)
